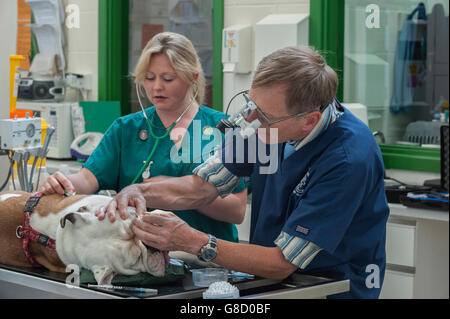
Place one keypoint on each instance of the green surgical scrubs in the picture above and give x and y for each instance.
(127, 143)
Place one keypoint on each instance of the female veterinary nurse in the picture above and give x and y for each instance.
(166, 139)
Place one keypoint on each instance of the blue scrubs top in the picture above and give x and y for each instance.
(330, 192)
(122, 151)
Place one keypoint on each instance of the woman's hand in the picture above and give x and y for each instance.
(57, 183)
(131, 195)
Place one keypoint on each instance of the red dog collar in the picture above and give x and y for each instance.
(26, 233)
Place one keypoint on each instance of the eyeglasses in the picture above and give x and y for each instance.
(266, 119)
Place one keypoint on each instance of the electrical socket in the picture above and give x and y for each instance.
(79, 81)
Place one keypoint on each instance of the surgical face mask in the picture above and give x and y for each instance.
(240, 118)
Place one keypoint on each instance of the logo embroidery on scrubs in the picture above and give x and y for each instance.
(302, 230)
(300, 188)
(208, 131)
(143, 135)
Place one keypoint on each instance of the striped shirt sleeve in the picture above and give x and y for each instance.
(296, 250)
(214, 172)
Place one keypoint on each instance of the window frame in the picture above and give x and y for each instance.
(113, 40)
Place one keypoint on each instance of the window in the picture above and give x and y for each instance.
(192, 18)
(113, 59)
(397, 67)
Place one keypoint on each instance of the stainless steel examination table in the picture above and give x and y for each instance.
(40, 283)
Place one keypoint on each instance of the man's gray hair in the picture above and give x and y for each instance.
(310, 81)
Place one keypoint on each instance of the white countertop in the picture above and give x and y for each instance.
(400, 210)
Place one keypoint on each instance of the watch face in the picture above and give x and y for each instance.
(209, 254)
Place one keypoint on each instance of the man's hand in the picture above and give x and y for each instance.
(167, 232)
(129, 196)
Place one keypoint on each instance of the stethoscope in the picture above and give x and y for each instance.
(148, 162)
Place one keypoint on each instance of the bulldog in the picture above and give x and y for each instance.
(103, 247)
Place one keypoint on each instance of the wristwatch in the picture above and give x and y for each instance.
(209, 251)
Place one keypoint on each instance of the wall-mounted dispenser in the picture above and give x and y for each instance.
(236, 49)
(277, 31)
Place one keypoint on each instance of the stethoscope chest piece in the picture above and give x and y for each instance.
(143, 135)
(146, 172)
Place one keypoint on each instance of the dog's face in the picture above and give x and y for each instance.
(105, 248)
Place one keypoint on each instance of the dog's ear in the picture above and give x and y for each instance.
(73, 217)
(68, 216)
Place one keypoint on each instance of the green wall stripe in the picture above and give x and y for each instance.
(326, 34)
(218, 18)
(113, 80)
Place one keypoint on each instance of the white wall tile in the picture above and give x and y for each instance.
(85, 38)
(262, 2)
(8, 24)
(245, 14)
(297, 7)
(84, 5)
(85, 62)
(8, 21)
(250, 12)
(82, 43)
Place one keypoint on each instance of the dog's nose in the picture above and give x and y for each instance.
(132, 212)
(155, 250)
(152, 249)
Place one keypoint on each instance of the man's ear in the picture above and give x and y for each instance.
(311, 120)
(103, 274)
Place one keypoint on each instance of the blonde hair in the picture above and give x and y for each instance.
(310, 81)
(182, 56)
